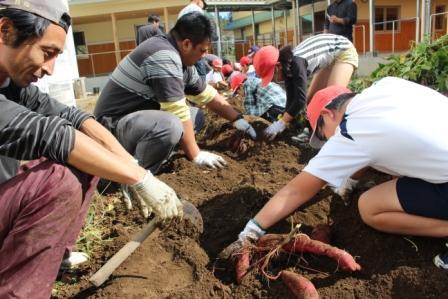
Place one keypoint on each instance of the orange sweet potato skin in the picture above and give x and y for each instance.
(242, 265)
(301, 287)
(303, 243)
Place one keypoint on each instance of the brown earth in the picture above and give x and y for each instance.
(174, 264)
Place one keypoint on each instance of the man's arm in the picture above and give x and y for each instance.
(351, 16)
(220, 106)
(92, 158)
(327, 20)
(188, 141)
(97, 132)
(297, 192)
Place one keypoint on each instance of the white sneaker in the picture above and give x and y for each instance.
(75, 259)
(303, 137)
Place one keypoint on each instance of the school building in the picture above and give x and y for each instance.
(104, 30)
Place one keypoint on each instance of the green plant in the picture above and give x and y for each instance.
(426, 63)
(96, 227)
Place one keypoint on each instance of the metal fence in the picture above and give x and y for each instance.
(103, 63)
(432, 24)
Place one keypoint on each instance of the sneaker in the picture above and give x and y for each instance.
(441, 260)
(75, 259)
(303, 137)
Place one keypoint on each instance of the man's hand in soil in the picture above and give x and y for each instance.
(209, 159)
(251, 233)
(128, 197)
(242, 125)
(274, 129)
(346, 189)
(159, 197)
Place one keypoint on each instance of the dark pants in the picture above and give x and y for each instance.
(42, 211)
(151, 135)
(273, 113)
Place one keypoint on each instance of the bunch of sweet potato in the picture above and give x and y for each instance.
(272, 244)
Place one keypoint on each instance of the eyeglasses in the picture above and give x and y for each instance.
(319, 127)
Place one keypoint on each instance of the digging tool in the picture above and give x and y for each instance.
(191, 214)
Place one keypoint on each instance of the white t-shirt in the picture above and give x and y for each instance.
(190, 8)
(395, 126)
(213, 77)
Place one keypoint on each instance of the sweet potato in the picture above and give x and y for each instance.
(321, 232)
(242, 265)
(303, 243)
(269, 241)
(301, 287)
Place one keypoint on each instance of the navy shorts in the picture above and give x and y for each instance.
(421, 198)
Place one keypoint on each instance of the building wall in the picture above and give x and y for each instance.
(95, 20)
(101, 32)
(404, 34)
(117, 6)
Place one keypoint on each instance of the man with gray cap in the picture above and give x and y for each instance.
(43, 203)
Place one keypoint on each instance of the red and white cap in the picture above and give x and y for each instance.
(319, 101)
(245, 60)
(226, 69)
(264, 63)
(236, 81)
(217, 63)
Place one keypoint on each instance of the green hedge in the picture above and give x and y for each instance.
(426, 63)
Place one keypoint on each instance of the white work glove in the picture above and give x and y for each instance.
(242, 125)
(274, 129)
(347, 188)
(209, 159)
(250, 234)
(158, 196)
(128, 197)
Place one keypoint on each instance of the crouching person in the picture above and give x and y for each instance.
(144, 103)
(376, 128)
(267, 102)
(43, 205)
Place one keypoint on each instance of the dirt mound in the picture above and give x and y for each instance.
(174, 263)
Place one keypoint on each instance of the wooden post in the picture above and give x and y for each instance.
(165, 19)
(294, 23)
(115, 35)
(254, 34)
(285, 23)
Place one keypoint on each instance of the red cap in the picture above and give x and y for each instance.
(264, 63)
(217, 62)
(226, 69)
(244, 61)
(236, 81)
(319, 101)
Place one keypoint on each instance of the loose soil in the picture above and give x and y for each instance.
(173, 263)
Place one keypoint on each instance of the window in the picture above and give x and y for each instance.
(307, 24)
(383, 16)
(439, 18)
(319, 20)
(80, 43)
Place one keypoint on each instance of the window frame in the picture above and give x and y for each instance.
(79, 54)
(384, 25)
(440, 19)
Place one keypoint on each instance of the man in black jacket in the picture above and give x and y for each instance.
(149, 30)
(340, 18)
